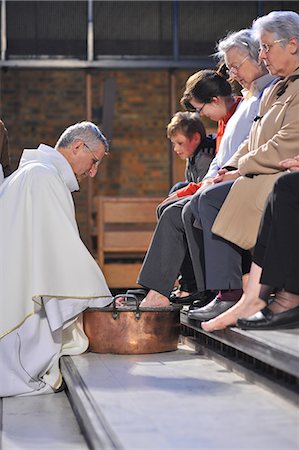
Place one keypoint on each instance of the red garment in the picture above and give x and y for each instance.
(222, 122)
(191, 188)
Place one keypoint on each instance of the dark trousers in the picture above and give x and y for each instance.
(278, 240)
(168, 254)
(223, 260)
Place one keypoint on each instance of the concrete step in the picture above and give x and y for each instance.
(39, 422)
(174, 400)
(279, 349)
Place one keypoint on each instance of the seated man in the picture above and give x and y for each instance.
(47, 276)
(188, 136)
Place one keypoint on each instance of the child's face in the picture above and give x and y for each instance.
(184, 146)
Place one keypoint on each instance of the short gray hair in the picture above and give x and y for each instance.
(244, 40)
(283, 24)
(87, 131)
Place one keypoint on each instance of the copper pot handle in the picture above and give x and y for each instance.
(115, 311)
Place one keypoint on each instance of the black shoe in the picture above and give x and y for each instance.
(210, 311)
(270, 321)
(205, 297)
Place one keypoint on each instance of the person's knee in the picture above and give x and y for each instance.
(173, 217)
(287, 182)
(187, 214)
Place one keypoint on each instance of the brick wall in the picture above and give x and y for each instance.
(37, 105)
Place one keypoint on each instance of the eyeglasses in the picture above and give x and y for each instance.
(267, 47)
(234, 69)
(199, 110)
(95, 161)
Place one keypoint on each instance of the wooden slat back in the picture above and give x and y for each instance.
(128, 212)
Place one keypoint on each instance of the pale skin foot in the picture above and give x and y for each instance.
(249, 304)
(155, 299)
(181, 294)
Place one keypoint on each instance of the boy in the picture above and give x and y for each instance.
(190, 142)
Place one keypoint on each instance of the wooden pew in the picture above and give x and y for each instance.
(124, 230)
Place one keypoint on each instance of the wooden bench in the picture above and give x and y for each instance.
(124, 230)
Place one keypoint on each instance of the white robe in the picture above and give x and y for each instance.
(47, 275)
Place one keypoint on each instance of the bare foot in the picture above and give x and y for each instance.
(155, 299)
(245, 307)
(181, 294)
(249, 304)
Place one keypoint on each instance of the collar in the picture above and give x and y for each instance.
(50, 156)
(286, 81)
(231, 111)
(258, 86)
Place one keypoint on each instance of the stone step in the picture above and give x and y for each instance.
(279, 349)
(174, 400)
(39, 422)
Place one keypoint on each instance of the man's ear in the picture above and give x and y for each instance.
(76, 145)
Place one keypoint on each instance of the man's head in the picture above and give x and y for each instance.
(186, 131)
(84, 146)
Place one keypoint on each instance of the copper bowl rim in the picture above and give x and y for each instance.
(133, 308)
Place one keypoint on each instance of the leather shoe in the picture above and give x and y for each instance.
(210, 311)
(202, 300)
(270, 321)
(203, 297)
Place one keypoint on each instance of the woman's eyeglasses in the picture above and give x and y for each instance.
(266, 47)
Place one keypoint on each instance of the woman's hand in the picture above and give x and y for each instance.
(225, 175)
(291, 163)
(172, 197)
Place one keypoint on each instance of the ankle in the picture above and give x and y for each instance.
(230, 295)
(283, 301)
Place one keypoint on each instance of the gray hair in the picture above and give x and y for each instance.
(283, 25)
(244, 40)
(87, 131)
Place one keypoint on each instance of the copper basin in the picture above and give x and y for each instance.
(127, 330)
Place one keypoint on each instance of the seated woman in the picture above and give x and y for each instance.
(230, 213)
(177, 245)
(274, 275)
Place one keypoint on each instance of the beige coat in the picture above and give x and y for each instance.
(274, 137)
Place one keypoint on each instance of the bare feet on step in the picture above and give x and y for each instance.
(155, 299)
(249, 304)
(244, 308)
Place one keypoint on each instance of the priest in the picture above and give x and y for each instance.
(47, 275)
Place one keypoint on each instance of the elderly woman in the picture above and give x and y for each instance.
(175, 232)
(230, 213)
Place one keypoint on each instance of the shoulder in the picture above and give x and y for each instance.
(41, 173)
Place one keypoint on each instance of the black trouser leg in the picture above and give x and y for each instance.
(195, 245)
(279, 235)
(166, 253)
